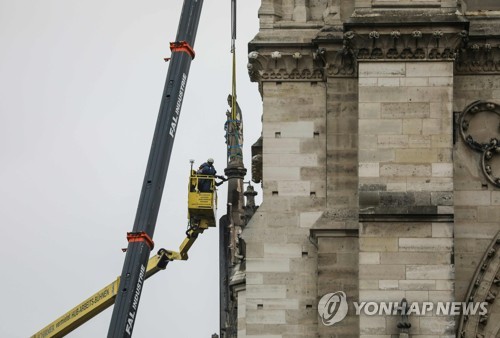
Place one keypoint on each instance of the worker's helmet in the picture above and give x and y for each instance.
(210, 160)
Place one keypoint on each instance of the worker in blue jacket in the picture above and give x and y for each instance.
(208, 168)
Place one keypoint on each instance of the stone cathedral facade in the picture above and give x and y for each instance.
(380, 167)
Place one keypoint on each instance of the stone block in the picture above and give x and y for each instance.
(342, 169)
(386, 244)
(442, 296)
(429, 94)
(427, 272)
(342, 141)
(369, 258)
(274, 304)
(438, 155)
(426, 244)
(426, 258)
(405, 110)
(479, 230)
(403, 170)
(396, 186)
(432, 127)
(280, 146)
(282, 250)
(347, 259)
(380, 127)
(291, 160)
(265, 291)
(495, 197)
(313, 174)
(337, 245)
(384, 94)
(265, 317)
(342, 156)
(307, 219)
(368, 170)
(281, 173)
(381, 296)
(441, 140)
(431, 184)
(417, 285)
(417, 296)
(445, 210)
(414, 81)
(268, 265)
(281, 220)
(396, 200)
(388, 284)
(368, 81)
(429, 69)
(388, 82)
(440, 109)
(442, 198)
(488, 214)
(369, 198)
(343, 125)
(368, 284)
(376, 155)
(395, 229)
(380, 271)
(256, 250)
(254, 278)
(422, 198)
(442, 230)
(294, 188)
(445, 285)
(472, 198)
(442, 169)
(300, 129)
(372, 325)
(419, 141)
(381, 69)
(412, 126)
(392, 141)
(445, 81)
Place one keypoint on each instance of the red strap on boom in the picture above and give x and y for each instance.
(140, 237)
(182, 46)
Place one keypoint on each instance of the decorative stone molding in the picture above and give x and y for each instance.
(478, 58)
(284, 65)
(337, 63)
(484, 287)
(418, 44)
(488, 149)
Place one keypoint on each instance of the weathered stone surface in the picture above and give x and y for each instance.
(378, 140)
(378, 244)
(414, 258)
(445, 272)
(426, 245)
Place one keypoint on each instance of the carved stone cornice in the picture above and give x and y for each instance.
(398, 44)
(405, 35)
(479, 57)
(284, 64)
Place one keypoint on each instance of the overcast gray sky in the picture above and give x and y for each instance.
(80, 86)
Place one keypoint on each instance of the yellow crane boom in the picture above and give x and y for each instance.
(201, 214)
(96, 303)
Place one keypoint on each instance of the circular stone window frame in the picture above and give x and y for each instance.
(488, 150)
